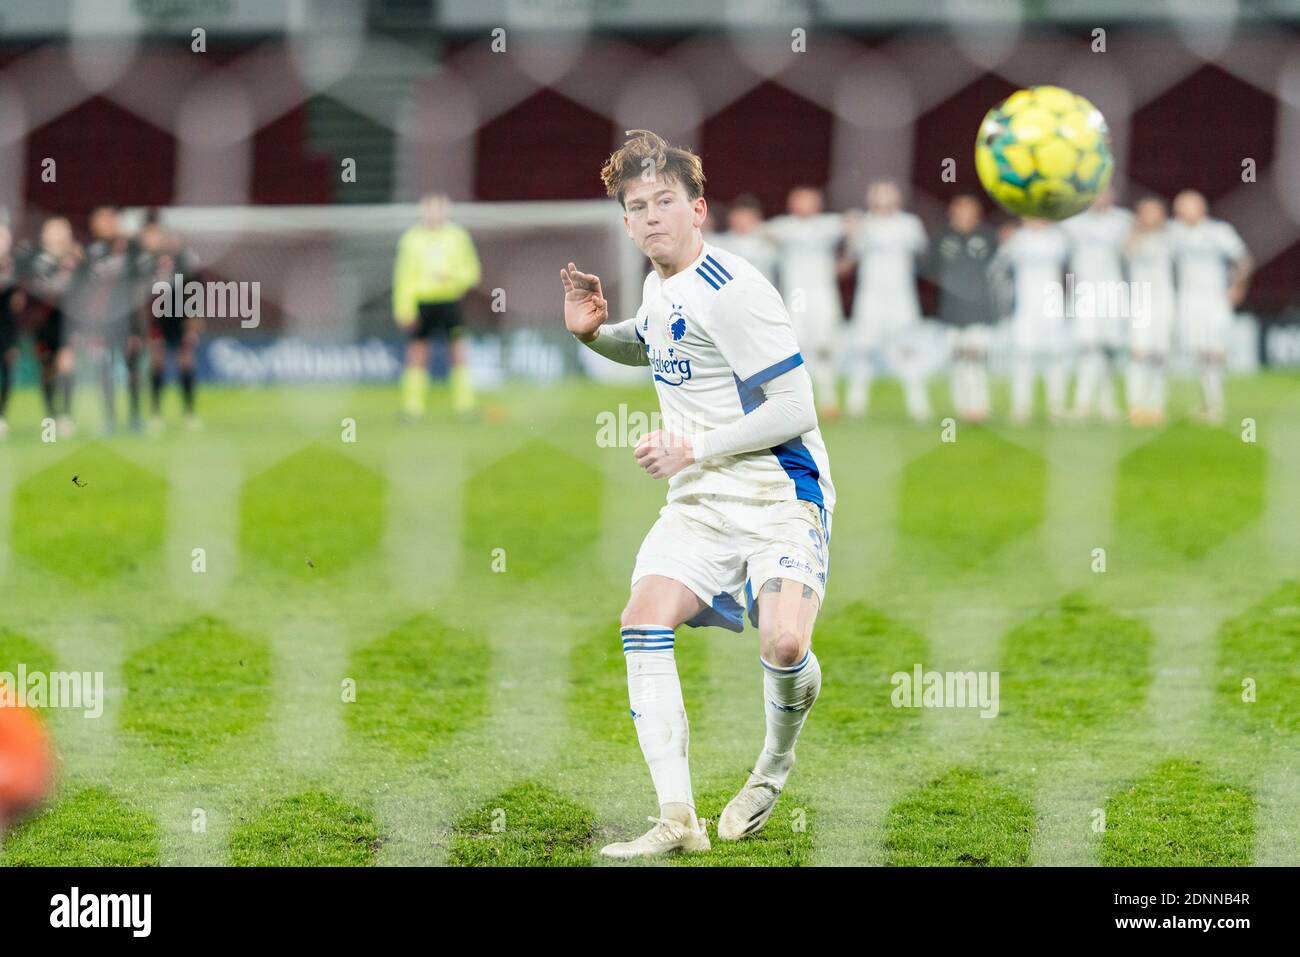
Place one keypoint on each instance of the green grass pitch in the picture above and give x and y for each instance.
(404, 649)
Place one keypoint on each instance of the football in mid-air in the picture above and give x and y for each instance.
(26, 761)
(1043, 152)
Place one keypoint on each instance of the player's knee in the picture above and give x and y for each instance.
(637, 611)
(785, 646)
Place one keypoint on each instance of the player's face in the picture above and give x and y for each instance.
(661, 219)
(1189, 207)
(884, 198)
(56, 235)
(743, 220)
(103, 224)
(151, 238)
(964, 214)
(1150, 214)
(804, 202)
(434, 210)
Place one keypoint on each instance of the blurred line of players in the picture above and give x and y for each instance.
(96, 301)
(1192, 272)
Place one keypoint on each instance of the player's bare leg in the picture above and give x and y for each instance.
(791, 681)
(654, 610)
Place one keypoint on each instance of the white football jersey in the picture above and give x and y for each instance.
(1036, 258)
(1202, 254)
(1151, 261)
(887, 247)
(806, 256)
(1097, 240)
(714, 334)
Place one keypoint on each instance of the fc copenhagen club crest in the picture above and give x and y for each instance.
(676, 324)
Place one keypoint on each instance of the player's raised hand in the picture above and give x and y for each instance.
(585, 307)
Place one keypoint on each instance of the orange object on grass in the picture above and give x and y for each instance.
(26, 759)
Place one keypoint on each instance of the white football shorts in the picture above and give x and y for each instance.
(723, 548)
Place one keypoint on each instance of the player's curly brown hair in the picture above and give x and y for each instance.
(673, 163)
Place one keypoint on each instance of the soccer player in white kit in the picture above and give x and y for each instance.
(1150, 265)
(1212, 266)
(1035, 255)
(746, 237)
(1097, 238)
(749, 486)
(886, 312)
(807, 240)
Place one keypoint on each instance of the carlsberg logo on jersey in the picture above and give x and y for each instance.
(669, 368)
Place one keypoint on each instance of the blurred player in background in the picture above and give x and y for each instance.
(105, 302)
(436, 267)
(749, 487)
(47, 273)
(807, 241)
(1097, 238)
(11, 305)
(959, 265)
(886, 243)
(1150, 262)
(745, 236)
(163, 258)
(1034, 257)
(1213, 267)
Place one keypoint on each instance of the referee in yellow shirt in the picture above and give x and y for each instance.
(436, 266)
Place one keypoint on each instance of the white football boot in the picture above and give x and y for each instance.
(667, 835)
(748, 811)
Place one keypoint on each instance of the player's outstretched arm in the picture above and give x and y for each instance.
(787, 411)
(586, 313)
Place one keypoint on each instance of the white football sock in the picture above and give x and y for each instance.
(822, 370)
(958, 386)
(788, 695)
(1090, 371)
(916, 396)
(1107, 407)
(655, 695)
(1212, 387)
(858, 396)
(980, 386)
(1136, 385)
(1022, 388)
(1156, 386)
(1057, 373)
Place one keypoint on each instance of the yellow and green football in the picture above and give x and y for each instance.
(1044, 152)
